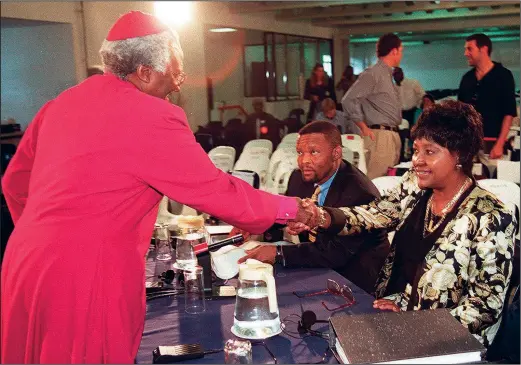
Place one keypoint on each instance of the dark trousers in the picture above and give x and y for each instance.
(409, 115)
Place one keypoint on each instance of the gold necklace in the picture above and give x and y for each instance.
(429, 214)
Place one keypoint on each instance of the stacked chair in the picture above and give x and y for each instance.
(282, 163)
(256, 157)
(223, 157)
(355, 143)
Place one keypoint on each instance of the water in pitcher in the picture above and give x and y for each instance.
(252, 317)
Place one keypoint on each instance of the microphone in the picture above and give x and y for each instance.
(239, 238)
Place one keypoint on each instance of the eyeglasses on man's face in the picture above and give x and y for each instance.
(179, 77)
(332, 287)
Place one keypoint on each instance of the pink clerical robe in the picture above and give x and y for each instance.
(83, 190)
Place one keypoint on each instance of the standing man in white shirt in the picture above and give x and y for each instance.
(411, 94)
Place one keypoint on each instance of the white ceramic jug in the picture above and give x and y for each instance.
(256, 313)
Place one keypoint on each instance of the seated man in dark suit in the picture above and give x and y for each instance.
(262, 125)
(358, 258)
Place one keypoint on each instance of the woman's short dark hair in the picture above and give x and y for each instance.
(387, 43)
(454, 125)
(328, 129)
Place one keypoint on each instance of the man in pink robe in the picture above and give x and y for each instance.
(83, 190)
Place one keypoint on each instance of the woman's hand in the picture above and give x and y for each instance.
(386, 305)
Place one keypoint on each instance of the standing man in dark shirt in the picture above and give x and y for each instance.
(490, 88)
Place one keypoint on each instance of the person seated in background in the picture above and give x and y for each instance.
(427, 101)
(318, 87)
(347, 80)
(453, 246)
(260, 124)
(329, 113)
(324, 177)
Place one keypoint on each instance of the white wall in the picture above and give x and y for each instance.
(59, 12)
(100, 15)
(224, 65)
(441, 65)
(37, 64)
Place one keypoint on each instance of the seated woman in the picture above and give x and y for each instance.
(453, 246)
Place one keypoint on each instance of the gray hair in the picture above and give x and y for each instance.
(123, 57)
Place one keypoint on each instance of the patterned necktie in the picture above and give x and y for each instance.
(314, 197)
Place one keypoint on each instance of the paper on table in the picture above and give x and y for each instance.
(224, 229)
(224, 260)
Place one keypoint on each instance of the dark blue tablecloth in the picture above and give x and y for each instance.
(168, 324)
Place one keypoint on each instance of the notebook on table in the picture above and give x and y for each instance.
(425, 336)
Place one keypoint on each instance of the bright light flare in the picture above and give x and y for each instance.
(175, 13)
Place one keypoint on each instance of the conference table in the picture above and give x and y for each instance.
(168, 324)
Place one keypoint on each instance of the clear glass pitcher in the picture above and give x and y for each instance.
(256, 313)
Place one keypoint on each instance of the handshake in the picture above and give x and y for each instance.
(308, 217)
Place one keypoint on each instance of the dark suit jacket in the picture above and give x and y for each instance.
(359, 257)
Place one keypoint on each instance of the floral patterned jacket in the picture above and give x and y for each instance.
(468, 268)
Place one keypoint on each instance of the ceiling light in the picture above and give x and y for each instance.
(222, 30)
(174, 12)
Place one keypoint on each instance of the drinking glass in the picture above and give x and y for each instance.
(237, 352)
(162, 243)
(186, 240)
(194, 290)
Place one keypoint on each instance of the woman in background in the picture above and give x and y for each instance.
(318, 87)
(347, 80)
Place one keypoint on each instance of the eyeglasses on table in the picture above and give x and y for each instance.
(332, 287)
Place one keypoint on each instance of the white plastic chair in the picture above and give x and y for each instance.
(348, 155)
(386, 183)
(222, 161)
(279, 155)
(350, 137)
(290, 138)
(223, 150)
(266, 143)
(357, 145)
(253, 151)
(281, 178)
(508, 170)
(257, 163)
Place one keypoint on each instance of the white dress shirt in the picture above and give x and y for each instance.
(411, 93)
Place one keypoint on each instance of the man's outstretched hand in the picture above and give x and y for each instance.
(307, 217)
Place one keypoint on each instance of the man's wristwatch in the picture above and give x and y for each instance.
(279, 257)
